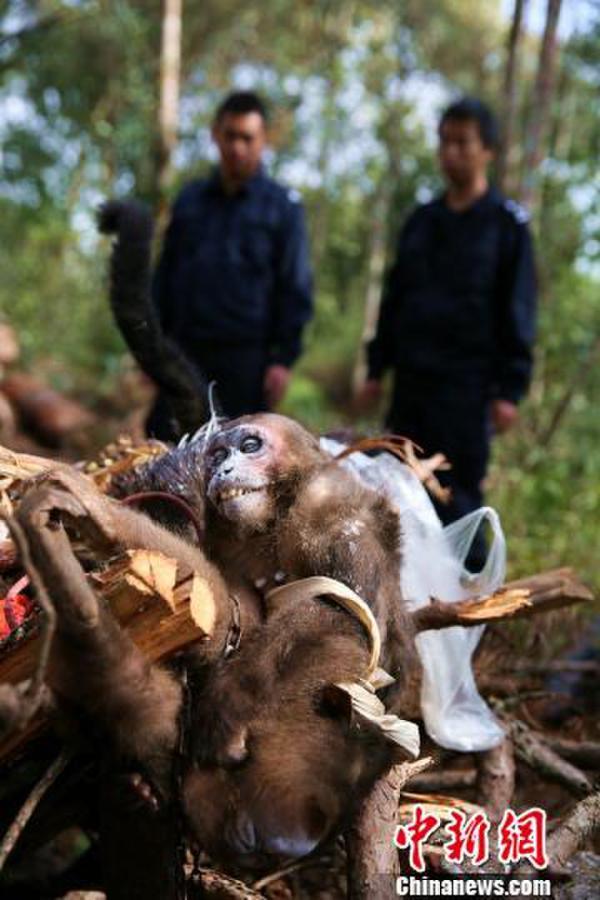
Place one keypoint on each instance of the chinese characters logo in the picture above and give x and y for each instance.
(519, 837)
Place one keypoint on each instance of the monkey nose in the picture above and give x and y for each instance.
(241, 834)
(290, 846)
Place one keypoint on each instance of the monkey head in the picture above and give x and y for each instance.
(251, 467)
(303, 775)
(283, 761)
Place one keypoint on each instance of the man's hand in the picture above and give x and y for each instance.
(369, 395)
(504, 415)
(275, 384)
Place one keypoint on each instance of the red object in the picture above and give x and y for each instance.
(14, 608)
(469, 838)
(523, 837)
(415, 834)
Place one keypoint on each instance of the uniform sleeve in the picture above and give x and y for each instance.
(380, 350)
(293, 290)
(516, 315)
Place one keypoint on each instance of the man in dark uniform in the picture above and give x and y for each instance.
(233, 285)
(457, 318)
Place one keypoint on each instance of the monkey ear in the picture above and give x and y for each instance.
(357, 704)
(334, 702)
(368, 712)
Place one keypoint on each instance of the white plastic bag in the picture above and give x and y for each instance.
(433, 560)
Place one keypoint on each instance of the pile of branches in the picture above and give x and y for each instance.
(159, 605)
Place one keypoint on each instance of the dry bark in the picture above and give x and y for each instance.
(533, 750)
(575, 831)
(443, 781)
(516, 600)
(217, 885)
(372, 855)
(535, 139)
(168, 115)
(49, 414)
(496, 779)
(503, 164)
(583, 753)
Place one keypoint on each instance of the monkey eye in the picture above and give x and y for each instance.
(219, 455)
(251, 444)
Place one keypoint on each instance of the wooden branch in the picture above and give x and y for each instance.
(575, 831)
(215, 884)
(442, 782)
(582, 753)
(496, 779)
(48, 413)
(371, 850)
(509, 94)
(533, 750)
(586, 364)
(516, 600)
(12, 835)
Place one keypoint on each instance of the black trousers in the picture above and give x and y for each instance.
(451, 417)
(238, 370)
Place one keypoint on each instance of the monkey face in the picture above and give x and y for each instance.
(303, 775)
(252, 466)
(253, 463)
(238, 468)
(281, 762)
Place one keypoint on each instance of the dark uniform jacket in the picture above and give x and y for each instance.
(236, 268)
(459, 302)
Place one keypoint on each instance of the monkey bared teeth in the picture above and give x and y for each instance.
(236, 492)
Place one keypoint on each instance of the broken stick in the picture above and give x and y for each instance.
(516, 600)
(575, 831)
(372, 854)
(533, 750)
(496, 779)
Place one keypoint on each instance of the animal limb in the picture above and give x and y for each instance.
(94, 665)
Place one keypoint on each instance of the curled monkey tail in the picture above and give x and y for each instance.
(137, 318)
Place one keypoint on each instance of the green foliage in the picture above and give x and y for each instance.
(545, 477)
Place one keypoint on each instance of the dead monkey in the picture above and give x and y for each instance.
(278, 758)
(277, 762)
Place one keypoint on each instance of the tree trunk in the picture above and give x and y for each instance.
(168, 114)
(540, 109)
(376, 265)
(510, 95)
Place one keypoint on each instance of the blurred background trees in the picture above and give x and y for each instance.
(355, 88)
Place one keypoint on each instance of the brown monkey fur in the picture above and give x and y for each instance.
(276, 762)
